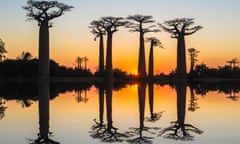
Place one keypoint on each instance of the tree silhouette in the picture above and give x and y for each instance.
(179, 28)
(153, 42)
(2, 50)
(193, 53)
(138, 26)
(43, 12)
(232, 63)
(110, 25)
(79, 63)
(85, 59)
(25, 56)
(193, 100)
(98, 31)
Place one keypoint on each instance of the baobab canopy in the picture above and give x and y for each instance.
(45, 10)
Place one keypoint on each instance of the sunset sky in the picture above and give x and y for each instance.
(70, 36)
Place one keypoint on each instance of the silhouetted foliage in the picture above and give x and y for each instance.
(193, 54)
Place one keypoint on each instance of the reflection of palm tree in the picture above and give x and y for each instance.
(43, 96)
(193, 104)
(179, 130)
(2, 108)
(153, 116)
(79, 95)
(233, 95)
(142, 128)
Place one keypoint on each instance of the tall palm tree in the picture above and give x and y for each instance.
(43, 12)
(136, 24)
(193, 53)
(153, 42)
(85, 59)
(179, 28)
(79, 62)
(99, 32)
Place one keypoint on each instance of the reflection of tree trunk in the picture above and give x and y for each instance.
(150, 94)
(43, 68)
(109, 106)
(101, 54)
(43, 96)
(101, 104)
(150, 64)
(141, 58)
(181, 57)
(141, 102)
(181, 103)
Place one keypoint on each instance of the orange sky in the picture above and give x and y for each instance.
(70, 36)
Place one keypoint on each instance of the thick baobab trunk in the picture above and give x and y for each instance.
(109, 108)
(141, 58)
(43, 97)
(43, 66)
(109, 71)
(101, 104)
(181, 58)
(150, 64)
(101, 54)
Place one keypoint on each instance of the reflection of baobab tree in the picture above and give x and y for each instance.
(153, 115)
(106, 132)
(179, 130)
(193, 104)
(137, 133)
(2, 108)
(99, 127)
(43, 96)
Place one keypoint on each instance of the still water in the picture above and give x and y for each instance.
(136, 113)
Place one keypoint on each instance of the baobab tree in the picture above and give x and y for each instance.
(179, 28)
(99, 32)
(43, 12)
(110, 25)
(153, 42)
(138, 26)
(193, 54)
(2, 50)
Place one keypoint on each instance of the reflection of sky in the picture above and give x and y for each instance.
(70, 121)
(70, 35)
